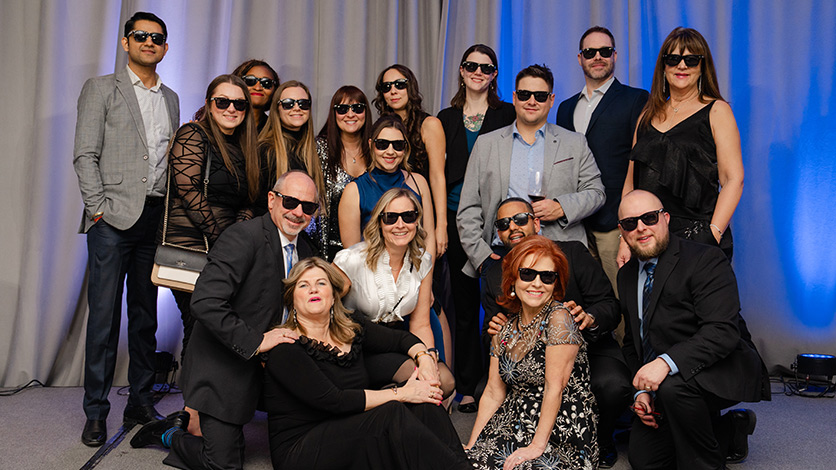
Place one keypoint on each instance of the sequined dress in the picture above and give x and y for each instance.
(522, 366)
(326, 229)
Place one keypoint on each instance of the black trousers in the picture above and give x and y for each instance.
(221, 447)
(611, 383)
(691, 434)
(184, 304)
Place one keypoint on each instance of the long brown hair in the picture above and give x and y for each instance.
(683, 38)
(415, 113)
(374, 237)
(539, 246)
(332, 134)
(244, 134)
(460, 97)
(393, 121)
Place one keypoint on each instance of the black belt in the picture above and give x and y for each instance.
(153, 201)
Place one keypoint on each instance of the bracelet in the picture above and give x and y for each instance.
(418, 355)
(433, 351)
(395, 390)
(716, 228)
(97, 216)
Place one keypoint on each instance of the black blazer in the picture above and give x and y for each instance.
(587, 285)
(694, 316)
(457, 155)
(238, 296)
(610, 137)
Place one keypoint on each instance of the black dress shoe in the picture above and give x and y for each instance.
(607, 456)
(95, 433)
(153, 432)
(467, 407)
(140, 414)
(743, 425)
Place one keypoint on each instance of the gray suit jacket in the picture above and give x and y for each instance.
(110, 154)
(570, 175)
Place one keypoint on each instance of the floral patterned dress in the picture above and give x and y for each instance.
(521, 351)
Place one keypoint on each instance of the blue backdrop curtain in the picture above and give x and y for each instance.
(775, 61)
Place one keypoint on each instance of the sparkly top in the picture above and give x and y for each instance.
(326, 231)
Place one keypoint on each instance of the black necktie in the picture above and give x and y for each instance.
(647, 348)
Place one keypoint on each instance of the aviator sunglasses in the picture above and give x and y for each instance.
(672, 60)
(266, 83)
(223, 103)
(589, 52)
(391, 218)
(290, 203)
(400, 84)
(141, 36)
(520, 219)
(358, 108)
(383, 144)
(471, 67)
(525, 95)
(546, 277)
(288, 103)
(648, 218)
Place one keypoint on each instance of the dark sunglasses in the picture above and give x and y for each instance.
(528, 275)
(648, 218)
(672, 60)
(266, 83)
(391, 218)
(589, 52)
(471, 67)
(400, 84)
(223, 103)
(525, 95)
(142, 36)
(358, 108)
(519, 219)
(288, 103)
(383, 144)
(290, 203)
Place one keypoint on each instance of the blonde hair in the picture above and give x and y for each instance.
(374, 236)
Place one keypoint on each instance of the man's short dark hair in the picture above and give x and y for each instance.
(509, 200)
(596, 29)
(144, 15)
(536, 71)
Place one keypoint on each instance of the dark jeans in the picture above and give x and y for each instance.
(115, 255)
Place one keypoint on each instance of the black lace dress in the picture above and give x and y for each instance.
(522, 365)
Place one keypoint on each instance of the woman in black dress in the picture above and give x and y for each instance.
(262, 81)
(321, 412)
(475, 110)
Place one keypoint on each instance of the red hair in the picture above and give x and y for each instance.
(539, 246)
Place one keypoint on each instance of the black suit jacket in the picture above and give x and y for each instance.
(238, 296)
(610, 137)
(587, 285)
(457, 154)
(694, 316)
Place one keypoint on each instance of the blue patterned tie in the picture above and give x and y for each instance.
(647, 348)
(288, 249)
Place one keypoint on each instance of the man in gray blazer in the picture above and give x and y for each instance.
(125, 121)
(503, 164)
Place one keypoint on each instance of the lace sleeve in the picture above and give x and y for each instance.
(187, 159)
(562, 328)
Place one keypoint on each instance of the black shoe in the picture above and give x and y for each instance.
(467, 407)
(95, 433)
(607, 456)
(140, 414)
(742, 426)
(152, 433)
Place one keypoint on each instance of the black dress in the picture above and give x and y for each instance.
(680, 167)
(315, 398)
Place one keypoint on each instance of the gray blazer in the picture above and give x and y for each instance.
(570, 175)
(110, 155)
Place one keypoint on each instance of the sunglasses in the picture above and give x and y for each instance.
(546, 277)
(383, 144)
(400, 84)
(589, 52)
(358, 108)
(142, 36)
(471, 67)
(525, 95)
(288, 103)
(391, 218)
(291, 203)
(648, 218)
(520, 219)
(266, 83)
(672, 60)
(223, 103)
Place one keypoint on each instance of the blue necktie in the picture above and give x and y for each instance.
(647, 348)
(288, 249)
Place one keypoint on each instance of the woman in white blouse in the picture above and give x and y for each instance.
(388, 277)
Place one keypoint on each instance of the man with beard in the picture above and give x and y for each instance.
(687, 345)
(606, 112)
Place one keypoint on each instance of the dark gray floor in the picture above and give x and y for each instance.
(40, 429)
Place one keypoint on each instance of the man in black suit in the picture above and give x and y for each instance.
(590, 298)
(687, 345)
(606, 112)
(236, 300)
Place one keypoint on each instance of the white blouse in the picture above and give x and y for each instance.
(375, 293)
